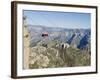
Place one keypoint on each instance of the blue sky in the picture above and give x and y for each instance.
(58, 19)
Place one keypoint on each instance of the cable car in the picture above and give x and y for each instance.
(45, 34)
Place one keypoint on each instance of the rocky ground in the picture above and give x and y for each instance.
(53, 56)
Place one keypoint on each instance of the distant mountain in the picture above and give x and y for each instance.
(77, 38)
(84, 42)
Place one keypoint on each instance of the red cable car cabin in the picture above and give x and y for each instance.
(45, 34)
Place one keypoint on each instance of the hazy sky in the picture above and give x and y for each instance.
(58, 19)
